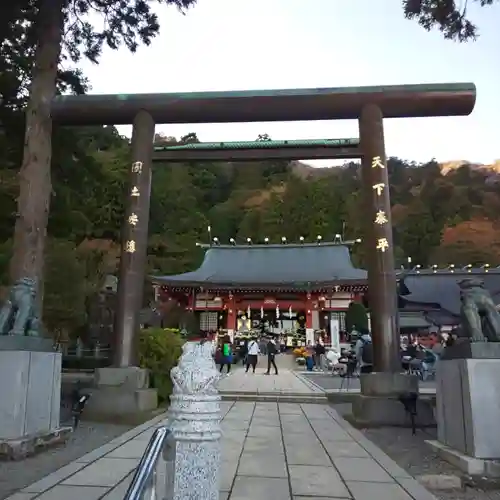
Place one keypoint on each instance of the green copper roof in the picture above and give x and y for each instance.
(290, 265)
(299, 143)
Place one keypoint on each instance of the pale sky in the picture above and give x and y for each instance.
(267, 44)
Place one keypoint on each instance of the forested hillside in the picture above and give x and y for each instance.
(438, 218)
(441, 217)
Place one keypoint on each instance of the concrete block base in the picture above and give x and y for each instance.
(19, 449)
(22, 343)
(378, 403)
(120, 394)
(465, 349)
(468, 406)
(116, 401)
(30, 389)
(387, 384)
(475, 467)
(131, 377)
(388, 411)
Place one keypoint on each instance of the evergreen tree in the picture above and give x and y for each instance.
(449, 16)
(356, 317)
(56, 25)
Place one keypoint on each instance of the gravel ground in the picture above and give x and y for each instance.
(89, 436)
(416, 457)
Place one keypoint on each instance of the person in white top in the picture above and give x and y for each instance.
(253, 354)
(333, 356)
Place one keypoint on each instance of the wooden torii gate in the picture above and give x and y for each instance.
(368, 105)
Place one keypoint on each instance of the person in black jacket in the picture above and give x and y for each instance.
(319, 350)
(271, 355)
(244, 352)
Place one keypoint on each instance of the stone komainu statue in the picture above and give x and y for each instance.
(480, 319)
(18, 314)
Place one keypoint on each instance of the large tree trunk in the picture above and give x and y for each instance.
(34, 177)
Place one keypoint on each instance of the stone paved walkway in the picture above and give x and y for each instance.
(86, 438)
(277, 451)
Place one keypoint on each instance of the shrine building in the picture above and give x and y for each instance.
(304, 287)
(284, 287)
(434, 293)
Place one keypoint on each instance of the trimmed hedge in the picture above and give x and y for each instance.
(159, 351)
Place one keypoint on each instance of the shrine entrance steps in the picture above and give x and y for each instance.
(275, 398)
(286, 387)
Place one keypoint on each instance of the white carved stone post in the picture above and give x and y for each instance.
(79, 348)
(193, 452)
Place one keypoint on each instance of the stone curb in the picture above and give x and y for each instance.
(405, 480)
(313, 385)
(70, 469)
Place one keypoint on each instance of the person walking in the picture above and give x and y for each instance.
(253, 355)
(244, 352)
(227, 354)
(319, 350)
(271, 355)
(263, 346)
(282, 344)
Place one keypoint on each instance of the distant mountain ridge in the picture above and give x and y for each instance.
(304, 170)
(449, 166)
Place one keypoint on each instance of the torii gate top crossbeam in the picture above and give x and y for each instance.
(345, 103)
(307, 149)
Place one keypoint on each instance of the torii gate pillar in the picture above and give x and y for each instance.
(379, 242)
(134, 242)
(383, 391)
(123, 389)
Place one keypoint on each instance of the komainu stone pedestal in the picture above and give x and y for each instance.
(30, 398)
(193, 452)
(468, 408)
(120, 395)
(378, 404)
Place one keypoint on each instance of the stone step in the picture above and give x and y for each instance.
(274, 397)
(337, 396)
(314, 394)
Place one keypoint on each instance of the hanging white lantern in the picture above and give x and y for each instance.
(277, 311)
(261, 312)
(290, 312)
(248, 312)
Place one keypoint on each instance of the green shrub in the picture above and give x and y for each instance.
(159, 351)
(356, 317)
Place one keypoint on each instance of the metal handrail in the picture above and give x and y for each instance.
(143, 485)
